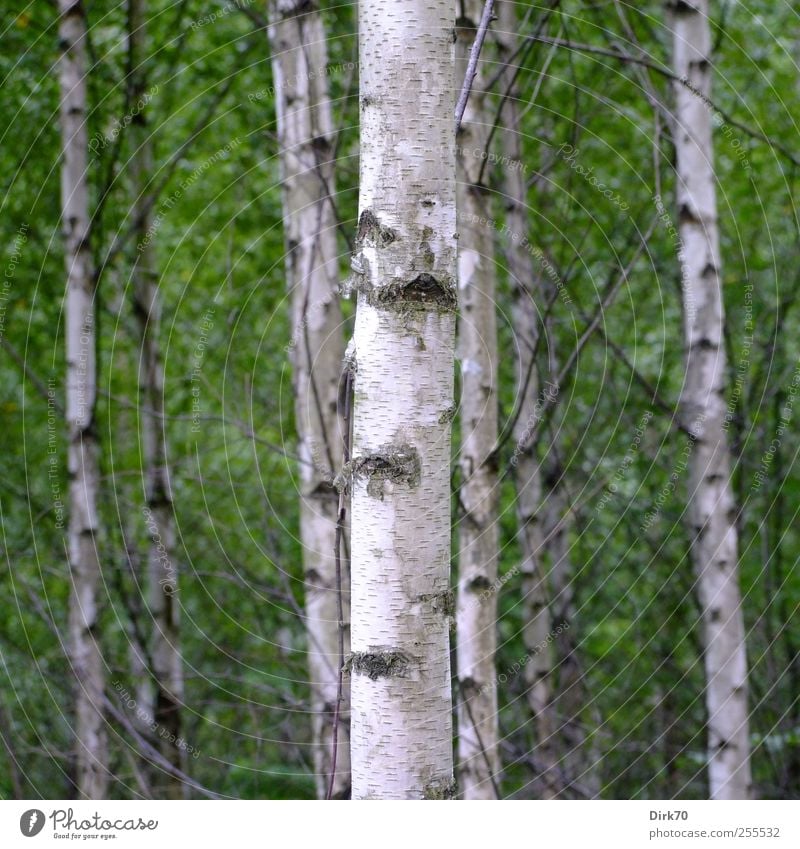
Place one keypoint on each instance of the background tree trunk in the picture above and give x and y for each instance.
(527, 290)
(712, 511)
(165, 697)
(402, 358)
(81, 394)
(536, 596)
(305, 130)
(572, 706)
(476, 609)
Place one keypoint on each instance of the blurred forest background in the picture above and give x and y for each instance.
(594, 91)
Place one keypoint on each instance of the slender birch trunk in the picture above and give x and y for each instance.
(305, 130)
(528, 289)
(166, 696)
(476, 609)
(81, 394)
(402, 360)
(572, 706)
(712, 510)
(538, 620)
(538, 623)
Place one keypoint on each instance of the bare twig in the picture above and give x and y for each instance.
(153, 754)
(37, 382)
(612, 288)
(13, 759)
(209, 117)
(472, 65)
(337, 552)
(620, 56)
(510, 87)
(465, 702)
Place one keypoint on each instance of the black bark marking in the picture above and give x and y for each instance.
(379, 664)
(323, 490)
(397, 463)
(440, 788)
(686, 215)
(478, 583)
(424, 292)
(447, 415)
(443, 602)
(372, 232)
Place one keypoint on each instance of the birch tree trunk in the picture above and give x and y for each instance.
(305, 129)
(527, 290)
(163, 702)
(81, 393)
(571, 702)
(538, 621)
(402, 360)
(476, 609)
(711, 506)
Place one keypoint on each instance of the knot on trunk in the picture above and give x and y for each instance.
(372, 232)
(478, 583)
(378, 664)
(425, 292)
(443, 602)
(397, 463)
(440, 788)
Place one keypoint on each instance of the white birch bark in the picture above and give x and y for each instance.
(476, 609)
(572, 705)
(402, 359)
(165, 696)
(711, 505)
(537, 615)
(305, 130)
(536, 597)
(81, 393)
(528, 290)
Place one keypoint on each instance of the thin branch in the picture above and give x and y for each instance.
(465, 702)
(664, 72)
(472, 65)
(609, 295)
(527, 44)
(38, 384)
(209, 116)
(13, 760)
(153, 754)
(337, 552)
(260, 21)
(652, 391)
